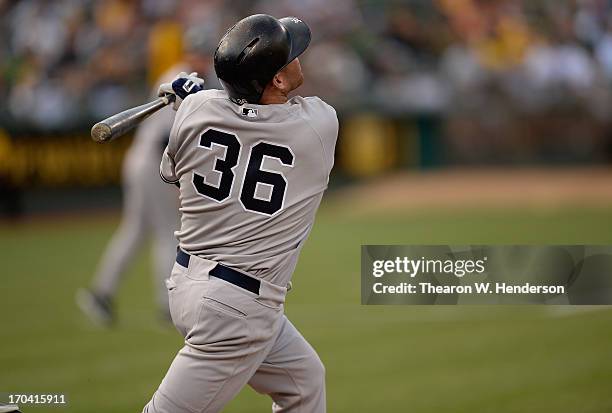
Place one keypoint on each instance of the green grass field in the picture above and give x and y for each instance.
(379, 359)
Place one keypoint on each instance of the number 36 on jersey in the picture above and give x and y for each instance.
(255, 174)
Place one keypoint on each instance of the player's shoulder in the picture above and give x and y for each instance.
(315, 104)
(323, 121)
(203, 97)
(319, 114)
(192, 103)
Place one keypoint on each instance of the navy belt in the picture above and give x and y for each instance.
(225, 273)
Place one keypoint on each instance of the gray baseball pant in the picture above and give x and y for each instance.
(234, 337)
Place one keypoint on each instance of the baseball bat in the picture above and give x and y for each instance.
(119, 124)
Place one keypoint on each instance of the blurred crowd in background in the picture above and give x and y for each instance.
(64, 63)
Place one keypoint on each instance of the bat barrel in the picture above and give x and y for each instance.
(121, 123)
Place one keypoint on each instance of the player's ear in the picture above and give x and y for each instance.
(279, 81)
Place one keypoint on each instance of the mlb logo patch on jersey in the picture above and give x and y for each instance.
(249, 112)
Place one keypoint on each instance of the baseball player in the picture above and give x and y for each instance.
(252, 166)
(150, 206)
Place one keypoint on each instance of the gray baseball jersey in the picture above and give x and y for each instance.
(251, 178)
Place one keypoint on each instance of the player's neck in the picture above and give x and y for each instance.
(273, 96)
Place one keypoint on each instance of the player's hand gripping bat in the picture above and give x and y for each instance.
(117, 125)
(121, 123)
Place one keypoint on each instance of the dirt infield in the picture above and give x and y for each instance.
(467, 188)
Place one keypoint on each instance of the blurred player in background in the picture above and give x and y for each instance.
(150, 205)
